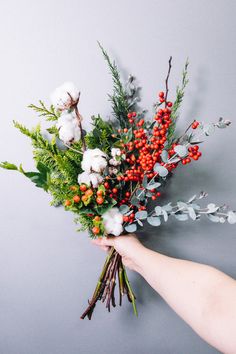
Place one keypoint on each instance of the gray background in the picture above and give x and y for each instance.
(47, 270)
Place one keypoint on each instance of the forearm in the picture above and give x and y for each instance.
(201, 295)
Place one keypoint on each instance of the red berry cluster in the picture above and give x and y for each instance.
(131, 116)
(193, 153)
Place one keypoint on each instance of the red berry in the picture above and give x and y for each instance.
(129, 115)
(106, 185)
(169, 104)
(114, 190)
(161, 94)
(134, 114)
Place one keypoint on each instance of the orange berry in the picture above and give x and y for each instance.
(67, 202)
(76, 198)
(100, 193)
(95, 230)
(97, 218)
(83, 187)
(99, 200)
(89, 192)
(73, 188)
(84, 198)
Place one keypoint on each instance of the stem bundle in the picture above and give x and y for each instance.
(105, 288)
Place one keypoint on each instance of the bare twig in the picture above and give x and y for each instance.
(167, 78)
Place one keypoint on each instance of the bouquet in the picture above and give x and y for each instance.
(112, 177)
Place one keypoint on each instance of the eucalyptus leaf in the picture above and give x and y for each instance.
(124, 209)
(181, 217)
(145, 181)
(165, 215)
(181, 150)
(161, 170)
(153, 185)
(158, 210)
(139, 222)
(213, 218)
(131, 228)
(212, 208)
(164, 156)
(192, 213)
(135, 201)
(142, 215)
(167, 207)
(231, 217)
(208, 129)
(182, 205)
(154, 220)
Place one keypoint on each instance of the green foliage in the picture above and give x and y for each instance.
(119, 98)
(49, 113)
(8, 166)
(101, 135)
(180, 90)
(40, 178)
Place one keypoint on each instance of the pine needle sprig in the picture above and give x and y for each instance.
(49, 113)
(119, 98)
(180, 90)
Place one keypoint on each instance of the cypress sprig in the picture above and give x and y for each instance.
(119, 98)
(49, 113)
(180, 90)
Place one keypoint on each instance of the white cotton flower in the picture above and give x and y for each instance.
(114, 162)
(113, 220)
(94, 160)
(66, 117)
(115, 152)
(93, 179)
(64, 96)
(68, 127)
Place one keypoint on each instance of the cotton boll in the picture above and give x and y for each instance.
(115, 152)
(113, 221)
(66, 133)
(69, 132)
(94, 160)
(114, 162)
(64, 96)
(93, 179)
(66, 117)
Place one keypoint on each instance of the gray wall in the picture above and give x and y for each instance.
(47, 270)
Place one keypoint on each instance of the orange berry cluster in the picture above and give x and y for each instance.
(83, 193)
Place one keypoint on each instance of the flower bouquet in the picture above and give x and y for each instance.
(110, 176)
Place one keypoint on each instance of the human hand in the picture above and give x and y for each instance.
(128, 246)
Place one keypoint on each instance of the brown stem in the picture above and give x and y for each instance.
(167, 78)
(105, 289)
(80, 127)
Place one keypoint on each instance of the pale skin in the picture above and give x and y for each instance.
(201, 295)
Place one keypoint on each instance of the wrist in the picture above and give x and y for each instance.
(140, 257)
